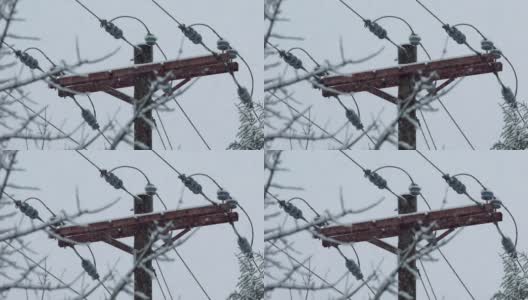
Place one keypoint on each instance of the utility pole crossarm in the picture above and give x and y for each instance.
(390, 77)
(391, 227)
(126, 77)
(127, 227)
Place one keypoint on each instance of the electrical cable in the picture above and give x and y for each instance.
(308, 119)
(68, 286)
(99, 169)
(193, 125)
(164, 280)
(423, 284)
(332, 286)
(44, 119)
(159, 284)
(428, 131)
(456, 274)
(428, 280)
(192, 274)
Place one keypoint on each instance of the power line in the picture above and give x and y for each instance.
(44, 269)
(164, 280)
(192, 124)
(192, 274)
(428, 280)
(332, 286)
(43, 119)
(456, 274)
(456, 124)
(428, 131)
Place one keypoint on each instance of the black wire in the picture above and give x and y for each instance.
(456, 274)
(192, 274)
(423, 135)
(88, 10)
(87, 159)
(308, 119)
(164, 280)
(68, 286)
(428, 131)
(192, 124)
(428, 280)
(456, 124)
(159, 284)
(91, 162)
(352, 10)
(166, 12)
(44, 119)
(423, 284)
(332, 286)
(352, 160)
(436, 17)
(447, 111)
(166, 162)
(164, 130)
(430, 162)
(159, 133)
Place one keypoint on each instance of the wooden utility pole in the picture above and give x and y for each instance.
(407, 125)
(139, 76)
(139, 226)
(407, 248)
(142, 280)
(403, 226)
(401, 76)
(142, 125)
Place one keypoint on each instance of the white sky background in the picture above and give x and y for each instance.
(210, 102)
(210, 252)
(474, 252)
(474, 103)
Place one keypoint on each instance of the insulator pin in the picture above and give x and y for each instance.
(232, 53)
(150, 39)
(150, 189)
(415, 39)
(496, 53)
(415, 189)
(487, 195)
(487, 45)
(223, 195)
(496, 203)
(222, 45)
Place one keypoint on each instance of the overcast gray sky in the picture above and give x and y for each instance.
(474, 252)
(210, 102)
(474, 103)
(210, 252)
